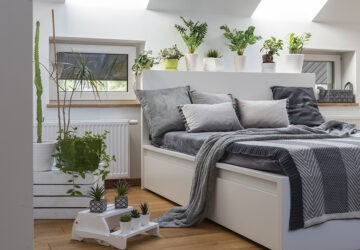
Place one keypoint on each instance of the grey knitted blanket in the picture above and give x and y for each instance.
(322, 164)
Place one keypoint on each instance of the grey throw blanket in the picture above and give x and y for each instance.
(214, 148)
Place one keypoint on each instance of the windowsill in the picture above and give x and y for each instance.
(328, 104)
(105, 104)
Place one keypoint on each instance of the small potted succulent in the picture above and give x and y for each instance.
(238, 42)
(295, 59)
(213, 61)
(125, 224)
(143, 61)
(193, 35)
(121, 201)
(271, 47)
(135, 219)
(97, 204)
(171, 57)
(145, 215)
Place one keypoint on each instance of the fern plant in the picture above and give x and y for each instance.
(239, 39)
(38, 84)
(97, 192)
(271, 47)
(135, 213)
(193, 33)
(213, 53)
(125, 218)
(296, 43)
(122, 188)
(144, 208)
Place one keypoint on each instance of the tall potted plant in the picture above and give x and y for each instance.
(271, 47)
(213, 61)
(193, 35)
(295, 59)
(171, 57)
(238, 42)
(42, 151)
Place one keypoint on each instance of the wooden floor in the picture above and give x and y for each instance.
(56, 234)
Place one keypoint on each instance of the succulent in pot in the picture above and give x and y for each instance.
(193, 35)
(145, 215)
(97, 204)
(295, 59)
(271, 47)
(213, 61)
(125, 224)
(171, 57)
(121, 200)
(135, 219)
(144, 61)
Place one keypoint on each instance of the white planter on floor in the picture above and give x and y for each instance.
(240, 62)
(268, 67)
(191, 62)
(293, 63)
(42, 156)
(145, 218)
(125, 227)
(135, 223)
(213, 64)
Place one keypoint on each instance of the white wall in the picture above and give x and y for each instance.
(105, 19)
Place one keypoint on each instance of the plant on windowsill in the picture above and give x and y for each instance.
(238, 42)
(295, 59)
(271, 47)
(144, 61)
(125, 223)
(121, 200)
(145, 215)
(213, 61)
(135, 219)
(193, 35)
(97, 203)
(171, 57)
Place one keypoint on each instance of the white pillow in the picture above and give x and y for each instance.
(264, 114)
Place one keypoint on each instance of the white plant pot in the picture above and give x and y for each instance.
(145, 218)
(213, 64)
(42, 156)
(293, 63)
(135, 223)
(240, 62)
(191, 62)
(268, 67)
(125, 227)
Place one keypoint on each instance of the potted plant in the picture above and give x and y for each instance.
(295, 59)
(193, 35)
(121, 201)
(97, 204)
(125, 223)
(143, 61)
(213, 61)
(238, 42)
(271, 47)
(135, 219)
(42, 151)
(145, 215)
(171, 57)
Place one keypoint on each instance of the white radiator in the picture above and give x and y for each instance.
(117, 141)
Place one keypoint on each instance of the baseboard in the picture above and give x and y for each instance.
(131, 181)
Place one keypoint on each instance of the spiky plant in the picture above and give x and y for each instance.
(193, 33)
(135, 213)
(97, 192)
(122, 188)
(125, 218)
(296, 43)
(144, 208)
(239, 39)
(38, 84)
(213, 53)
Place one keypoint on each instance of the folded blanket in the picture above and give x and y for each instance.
(304, 178)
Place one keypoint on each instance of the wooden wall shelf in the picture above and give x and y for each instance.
(324, 104)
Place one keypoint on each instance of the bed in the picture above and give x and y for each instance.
(253, 203)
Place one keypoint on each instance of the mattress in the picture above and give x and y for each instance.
(190, 143)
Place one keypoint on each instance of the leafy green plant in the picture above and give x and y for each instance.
(213, 53)
(38, 84)
(125, 218)
(170, 53)
(135, 213)
(296, 43)
(239, 40)
(193, 33)
(144, 208)
(271, 47)
(97, 192)
(122, 188)
(143, 61)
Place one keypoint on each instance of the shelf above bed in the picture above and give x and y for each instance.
(329, 104)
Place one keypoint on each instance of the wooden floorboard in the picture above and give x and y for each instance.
(56, 234)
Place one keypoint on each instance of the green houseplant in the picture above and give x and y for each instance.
(145, 215)
(135, 219)
(97, 203)
(171, 57)
(213, 61)
(193, 34)
(295, 59)
(125, 223)
(271, 47)
(238, 42)
(143, 61)
(121, 200)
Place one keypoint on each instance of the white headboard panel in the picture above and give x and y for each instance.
(245, 85)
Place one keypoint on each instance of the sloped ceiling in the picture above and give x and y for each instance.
(339, 11)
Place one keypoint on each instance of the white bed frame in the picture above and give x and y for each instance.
(252, 203)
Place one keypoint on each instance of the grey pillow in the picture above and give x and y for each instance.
(209, 117)
(264, 114)
(198, 97)
(160, 110)
(302, 109)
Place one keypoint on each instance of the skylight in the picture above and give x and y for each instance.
(288, 10)
(123, 4)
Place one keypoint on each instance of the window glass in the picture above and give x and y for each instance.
(324, 73)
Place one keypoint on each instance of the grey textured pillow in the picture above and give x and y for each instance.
(264, 114)
(209, 117)
(160, 110)
(198, 97)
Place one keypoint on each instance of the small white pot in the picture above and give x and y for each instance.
(293, 63)
(240, 62)
(125, 227)
(135, 223)
(213, 64)
(42, 156)
(145, 218)
(268, 67)
(191, 62)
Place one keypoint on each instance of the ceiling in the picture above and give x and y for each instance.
(339, 11)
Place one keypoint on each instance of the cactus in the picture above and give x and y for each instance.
(38, 85)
